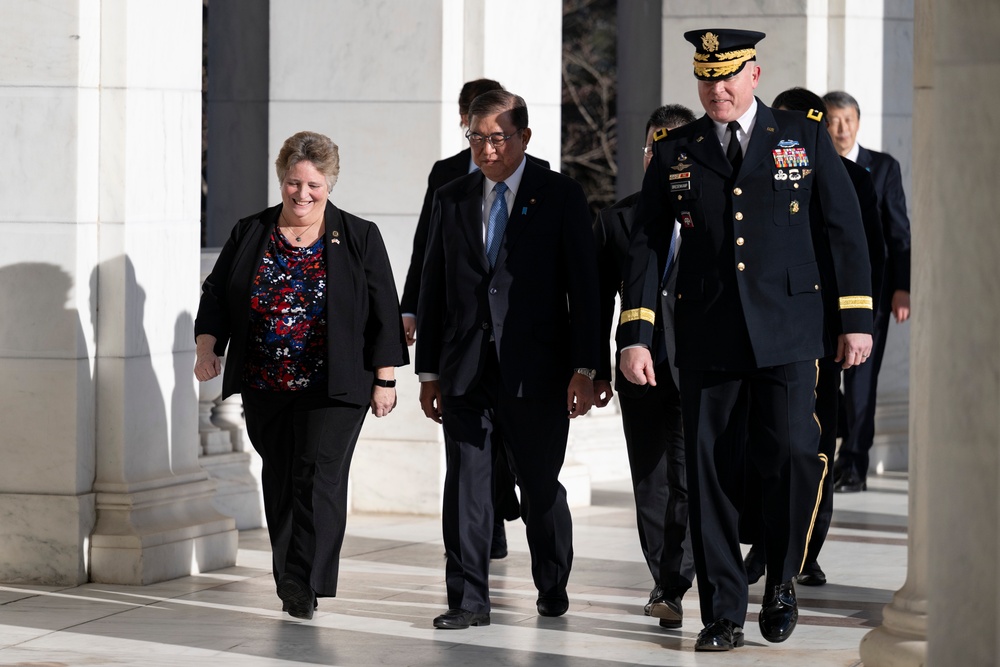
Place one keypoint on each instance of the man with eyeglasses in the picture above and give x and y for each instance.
(505, 501)
(651, 416)
(507, 323)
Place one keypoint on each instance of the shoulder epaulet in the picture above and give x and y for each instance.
(660, 134)
(815, 115)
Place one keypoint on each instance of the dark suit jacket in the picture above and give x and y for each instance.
(363, 326)
(895, 223)
(442, 172)
(539, 303)
(748, 283)
(612, 230)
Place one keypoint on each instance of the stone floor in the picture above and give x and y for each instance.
(392, 586)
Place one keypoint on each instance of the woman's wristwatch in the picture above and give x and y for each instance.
(379, 382)
(589, 372)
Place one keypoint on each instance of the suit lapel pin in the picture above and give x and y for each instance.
(333, 237)
(524, 211)
(770, 129)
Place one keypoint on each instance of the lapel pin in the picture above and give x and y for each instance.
(334, 234)
(524, 211)
(770, 129)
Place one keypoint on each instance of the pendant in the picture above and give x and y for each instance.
(298, 239)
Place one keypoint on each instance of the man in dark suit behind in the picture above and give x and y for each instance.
(861, 384)
(505, 501)
(507, 325)
(749, 319)
(651, 416)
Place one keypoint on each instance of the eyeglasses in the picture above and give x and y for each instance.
(647, 151)
(496, 139)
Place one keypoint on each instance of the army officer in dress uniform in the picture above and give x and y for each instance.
(749, 319)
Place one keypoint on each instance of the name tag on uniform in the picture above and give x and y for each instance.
(684, 185)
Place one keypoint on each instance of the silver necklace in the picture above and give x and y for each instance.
(298, 238)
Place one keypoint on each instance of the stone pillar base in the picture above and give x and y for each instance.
(237, 492)
(397, 476)
(157, 533)
(45, 538)
(901, 640)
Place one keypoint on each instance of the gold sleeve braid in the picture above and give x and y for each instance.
(638, 314)
(847, 302)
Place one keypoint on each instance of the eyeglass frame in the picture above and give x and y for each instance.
(491, 138)
(647, 151)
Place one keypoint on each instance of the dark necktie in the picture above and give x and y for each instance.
(497, 223)
(734, 151)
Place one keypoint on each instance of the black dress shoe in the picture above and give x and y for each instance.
(669, 611)
(460, 619)
(755, 563)
(722, 635)
(655, 595)
(498, 548)
(551, 606)
(780, 612)
(297, 599)
(812, 575)
(850, 482)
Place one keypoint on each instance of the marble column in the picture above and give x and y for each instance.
(956, 362)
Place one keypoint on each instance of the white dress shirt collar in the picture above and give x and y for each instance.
(746, 125)
(852, 154)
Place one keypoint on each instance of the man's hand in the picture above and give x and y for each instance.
(602, 393)
(410, 328)
(637, 365)
(579, 395)
(901, 305)
(430, 399)
(853, 349)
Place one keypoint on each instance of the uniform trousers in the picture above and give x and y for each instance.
(761, 418)
(534, 431)
(654, 438)
(827, 412)
(306, 441)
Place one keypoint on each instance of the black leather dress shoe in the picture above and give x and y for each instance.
(460, 619)
(812, 575)
(780, 612)
(722, 635)
(669, 610)
(850, 482)
(498, 548)
(755, 563)
(655, 595)
(552, 606)
(297, 599)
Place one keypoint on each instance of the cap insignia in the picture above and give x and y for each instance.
(710, 41)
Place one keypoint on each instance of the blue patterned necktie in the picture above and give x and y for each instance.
(497, 223)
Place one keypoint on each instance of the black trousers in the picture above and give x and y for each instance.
(827, 412)
(534, 433)
(761, 418)
(306, 441)
(654, 438)
(860, 390)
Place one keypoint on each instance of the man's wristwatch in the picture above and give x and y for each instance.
(379, 382)
(589, 372)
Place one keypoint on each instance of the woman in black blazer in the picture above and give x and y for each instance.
(303, 295)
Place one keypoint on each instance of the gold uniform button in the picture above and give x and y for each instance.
(737, 191)
(739, 215)
(741, 266)
(816, 287)
(740, 241)
(679, 197)
(796, 186)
